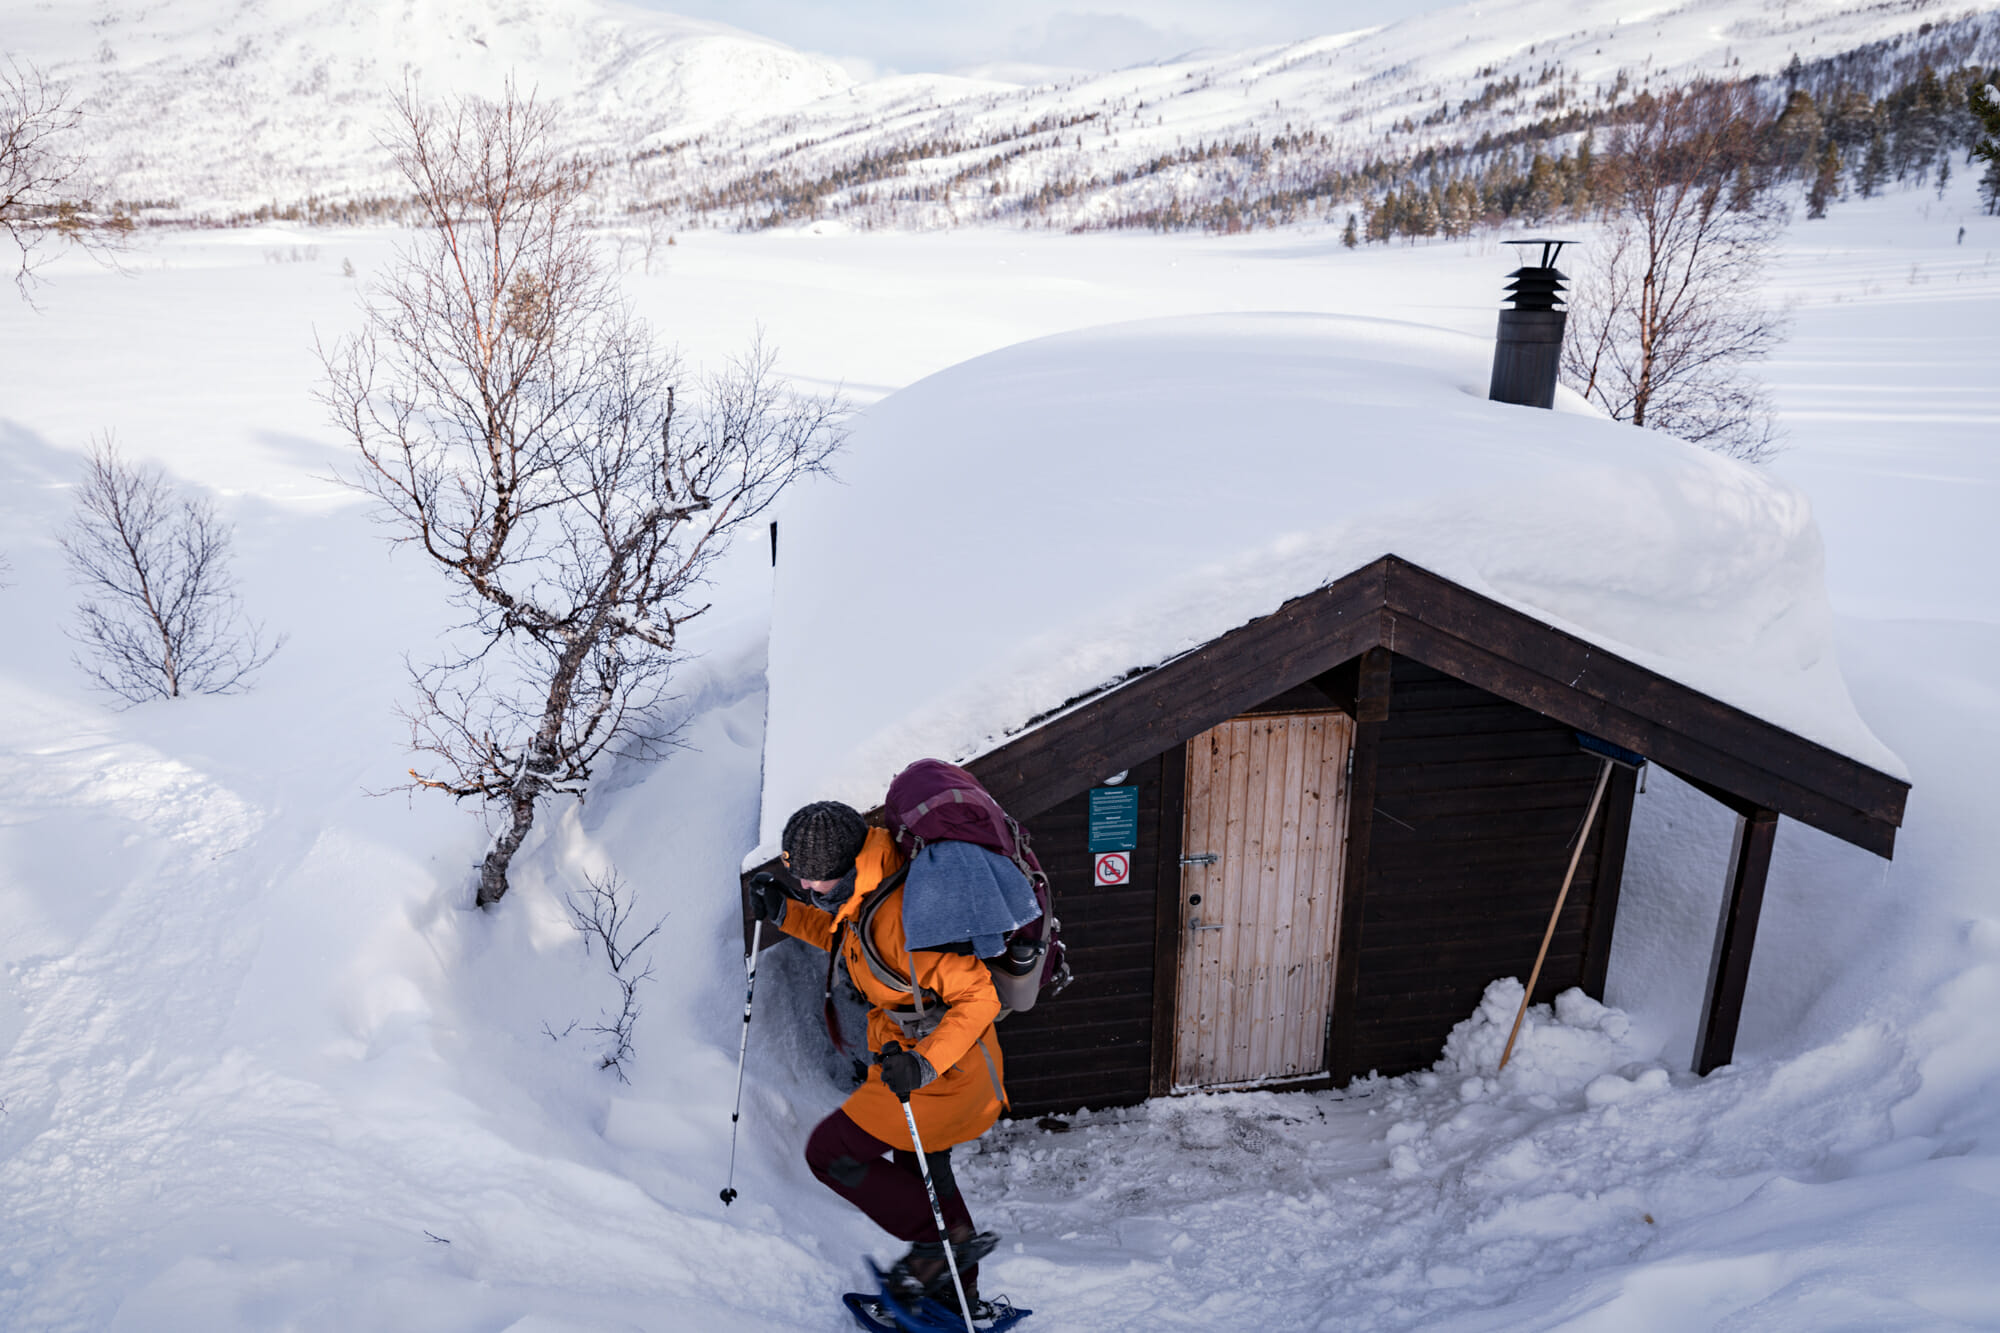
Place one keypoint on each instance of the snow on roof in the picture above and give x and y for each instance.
(1033, 524)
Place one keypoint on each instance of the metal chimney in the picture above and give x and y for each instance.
(1528, 351)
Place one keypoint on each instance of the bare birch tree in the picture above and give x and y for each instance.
(1666, 318)
(160, 617)
(40, 168)
(518, 427)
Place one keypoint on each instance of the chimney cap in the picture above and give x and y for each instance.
(1551, 247)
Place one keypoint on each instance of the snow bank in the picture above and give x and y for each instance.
(1580, 1187)
(1034, 524)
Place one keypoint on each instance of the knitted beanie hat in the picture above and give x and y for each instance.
(822, 839)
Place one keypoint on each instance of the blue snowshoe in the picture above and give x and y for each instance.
(894, 1308)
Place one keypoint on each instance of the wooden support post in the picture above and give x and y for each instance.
(1371, 712)
(1610, 878)
(1735, 935)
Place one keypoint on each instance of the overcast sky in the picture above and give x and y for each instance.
(908, 36)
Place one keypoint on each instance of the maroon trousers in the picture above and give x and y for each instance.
(882, 1180)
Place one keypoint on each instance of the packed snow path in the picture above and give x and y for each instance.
(1577, 1176)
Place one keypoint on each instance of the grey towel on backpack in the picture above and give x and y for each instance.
(960, 891)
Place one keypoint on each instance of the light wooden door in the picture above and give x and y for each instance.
(1262, 845)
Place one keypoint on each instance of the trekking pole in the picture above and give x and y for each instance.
(937, 1213)
(742, 1052)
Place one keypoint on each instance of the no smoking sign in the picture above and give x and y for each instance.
(1114, 831)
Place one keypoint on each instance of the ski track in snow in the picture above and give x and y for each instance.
(251, 1051)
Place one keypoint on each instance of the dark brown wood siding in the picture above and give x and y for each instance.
(1092, 1045)
(1476, 802)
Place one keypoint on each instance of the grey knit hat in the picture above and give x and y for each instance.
(822, 839)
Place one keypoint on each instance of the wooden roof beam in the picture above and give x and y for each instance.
(1733, 755)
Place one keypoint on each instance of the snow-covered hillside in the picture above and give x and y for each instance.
(229, 105)
(220, 109)
(1132, 142)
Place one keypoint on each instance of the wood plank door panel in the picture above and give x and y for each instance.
(1264, 835)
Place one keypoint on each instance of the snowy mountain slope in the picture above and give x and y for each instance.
(1091, 149)
(218, 105)
(224, 108)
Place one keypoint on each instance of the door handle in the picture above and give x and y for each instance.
(1201, 859)
(1194, 923)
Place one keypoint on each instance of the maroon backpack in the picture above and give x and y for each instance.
(932, 801)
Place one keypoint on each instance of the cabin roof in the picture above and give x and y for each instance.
(1041, 525)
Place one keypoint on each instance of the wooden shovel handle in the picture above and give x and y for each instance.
(1596, 798)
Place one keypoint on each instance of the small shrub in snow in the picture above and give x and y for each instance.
(603, 916)
(160, 616)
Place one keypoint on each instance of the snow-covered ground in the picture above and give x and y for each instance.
(260, 1066)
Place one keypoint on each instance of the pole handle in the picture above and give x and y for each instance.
(893, 1048)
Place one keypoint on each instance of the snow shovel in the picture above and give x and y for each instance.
(1608, 754)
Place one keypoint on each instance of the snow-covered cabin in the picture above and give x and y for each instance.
(1279, 636)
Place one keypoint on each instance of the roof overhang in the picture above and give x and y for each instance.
(1731, 754)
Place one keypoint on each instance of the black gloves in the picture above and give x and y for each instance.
(903, 1072)
(768, 897)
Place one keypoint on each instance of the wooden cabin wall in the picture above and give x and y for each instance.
(1092, 1045)
(1476, 801)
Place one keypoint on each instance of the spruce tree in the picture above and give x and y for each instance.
(1799, 127)
(1462, 206)
(1826, 184)
(1544, 192)
(1348, 236)
(1381, 226)
(1985, 102)
(1743, 191)
(1874, 167)
(1582, 178)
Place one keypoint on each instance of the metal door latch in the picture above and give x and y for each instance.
(1201, 859)
(1194, 923)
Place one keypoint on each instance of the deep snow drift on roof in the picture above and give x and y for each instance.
(1034, 524)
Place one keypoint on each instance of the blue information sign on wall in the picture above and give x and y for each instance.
(1114, 819)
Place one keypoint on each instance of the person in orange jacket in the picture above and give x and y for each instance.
(949, 1065)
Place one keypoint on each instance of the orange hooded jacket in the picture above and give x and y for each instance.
(969, 1093)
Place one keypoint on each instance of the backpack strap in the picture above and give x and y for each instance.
(887, 974)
